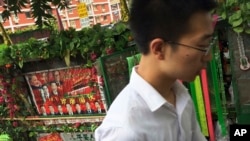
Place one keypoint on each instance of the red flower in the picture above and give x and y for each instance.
(11, 113)
(16, 108)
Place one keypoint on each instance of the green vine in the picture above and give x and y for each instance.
(89, 43)
(236, 13)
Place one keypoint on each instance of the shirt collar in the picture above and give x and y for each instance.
(148, 93)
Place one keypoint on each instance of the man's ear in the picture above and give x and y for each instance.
(157, 48)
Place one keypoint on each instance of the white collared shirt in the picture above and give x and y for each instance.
(140, 113)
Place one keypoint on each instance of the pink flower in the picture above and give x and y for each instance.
(109, 51)
(10, 100)
(93, 56)
(101, 81)
(15, 124)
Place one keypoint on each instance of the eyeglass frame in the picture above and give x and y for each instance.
(206, 50)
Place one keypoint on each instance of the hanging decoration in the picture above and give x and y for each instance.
(244, 64)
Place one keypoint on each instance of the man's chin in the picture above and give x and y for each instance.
(188, 80)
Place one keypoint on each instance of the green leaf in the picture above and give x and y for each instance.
(71, 46)
(243, 7)
(234, 16)
(230, 2)
(5, 137)
(237, 22)
(247, 30)
(67, 57)
(89, 63)
(224, 15)
(20, 63)
(238, 29)
(120, 27)
(85, 50)
(248, 5)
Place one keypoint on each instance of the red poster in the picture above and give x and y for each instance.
(66, 91)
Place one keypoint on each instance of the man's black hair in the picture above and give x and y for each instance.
(166, 19)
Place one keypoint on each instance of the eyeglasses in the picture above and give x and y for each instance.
(206, 50)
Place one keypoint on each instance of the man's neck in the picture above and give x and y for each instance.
(162, 83)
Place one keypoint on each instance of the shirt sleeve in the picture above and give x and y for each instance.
(114, 134)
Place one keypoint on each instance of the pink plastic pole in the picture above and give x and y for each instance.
(207, 104)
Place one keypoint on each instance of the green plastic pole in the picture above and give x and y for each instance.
(192, 91)
(201, 106)
(217, 97)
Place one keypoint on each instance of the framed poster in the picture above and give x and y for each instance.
(66, 91)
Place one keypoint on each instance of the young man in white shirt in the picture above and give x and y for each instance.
(174, 38)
